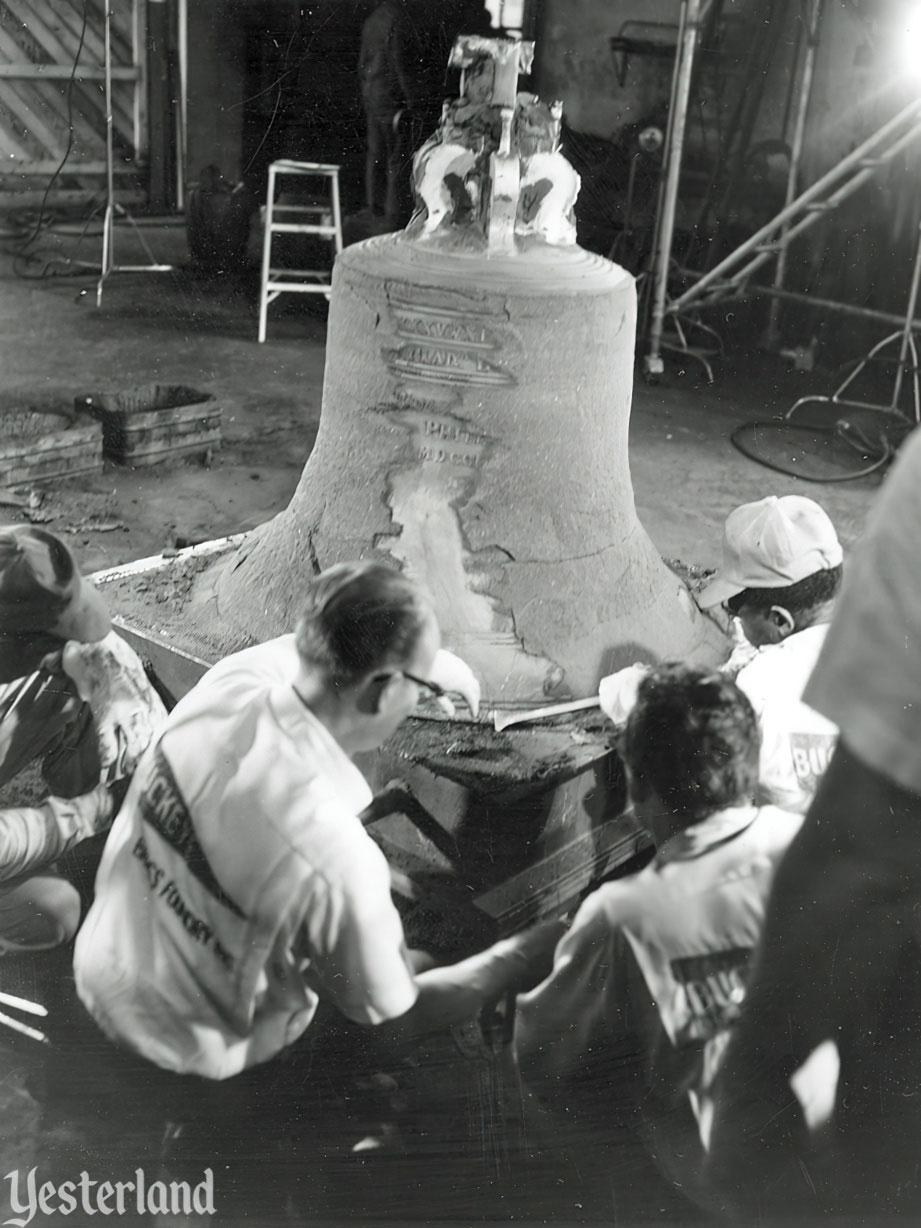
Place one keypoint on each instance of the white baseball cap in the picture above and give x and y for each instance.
(772, 543)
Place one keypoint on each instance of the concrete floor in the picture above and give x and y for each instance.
(171, 328)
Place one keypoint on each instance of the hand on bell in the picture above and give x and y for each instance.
(452, 674)
(617, 692)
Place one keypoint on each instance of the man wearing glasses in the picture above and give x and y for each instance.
(239, 889)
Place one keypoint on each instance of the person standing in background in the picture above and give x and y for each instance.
(386, 95)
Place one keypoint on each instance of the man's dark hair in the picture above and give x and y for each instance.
(360, 617)
(693, 738)
(798, 598)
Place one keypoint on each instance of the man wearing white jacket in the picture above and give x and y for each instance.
(648, 982)
(779, 577)
(239, 889)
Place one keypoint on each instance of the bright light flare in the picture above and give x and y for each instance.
(908, 38)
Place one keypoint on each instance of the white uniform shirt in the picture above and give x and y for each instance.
(868, 678)
(691, 919)
(796, 741)
(238, 884)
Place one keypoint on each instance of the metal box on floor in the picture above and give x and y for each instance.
(38, 444)
(154, 422)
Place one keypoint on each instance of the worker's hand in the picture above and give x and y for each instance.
(743, 653)
(420, 961)
(617, 692)
(533, 950)
(79, 818)
(52, 662)
(127, 712)
(452, 674)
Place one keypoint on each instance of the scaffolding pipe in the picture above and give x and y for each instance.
(861, 155)
(109, 216)
(108, 264)
(139, 61)
(907, 348)
(665, 229)
(813, 19)
(907, 341)
(831, 304)
(812, 216)
(666, 145)
(182, 112)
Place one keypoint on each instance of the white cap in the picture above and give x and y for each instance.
(773, 543)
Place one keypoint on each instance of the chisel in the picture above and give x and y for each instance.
(502, 720)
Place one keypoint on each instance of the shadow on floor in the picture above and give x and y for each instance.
(442, 1136)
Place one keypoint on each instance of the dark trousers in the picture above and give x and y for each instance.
(280, 1138)
(840, 961)
(42, 717)
(388, 166)
(277, 1137)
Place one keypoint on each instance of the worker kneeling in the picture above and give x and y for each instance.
(652, 974)
(75, 700)
(239, 889)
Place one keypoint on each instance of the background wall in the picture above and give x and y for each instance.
(861, 253)
(217, 70)
(271, 78)
(574, 61)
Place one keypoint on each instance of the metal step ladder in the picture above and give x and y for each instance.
(320, 217)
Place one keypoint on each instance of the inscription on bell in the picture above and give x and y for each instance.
(445, 441)
(450, 456)
(445, 327)
(445, 366)
(443, 345)
(446, 429)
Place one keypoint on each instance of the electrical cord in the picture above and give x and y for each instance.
(69, 93)
(50, 263)
(847, 431)
(48, 259)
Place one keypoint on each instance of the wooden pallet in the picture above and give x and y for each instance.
(154, 422)
(37, 445)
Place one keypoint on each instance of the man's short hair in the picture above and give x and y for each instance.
(358, 618)
(693, 737)
(799, 598)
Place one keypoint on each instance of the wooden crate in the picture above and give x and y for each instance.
(154, 422)
(37, 445)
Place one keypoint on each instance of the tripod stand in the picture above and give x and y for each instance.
(907, 346)
(872, 432)
(113, 208)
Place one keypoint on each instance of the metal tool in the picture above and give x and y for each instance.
(502, 720)
(23, 1004)
(28, 1008)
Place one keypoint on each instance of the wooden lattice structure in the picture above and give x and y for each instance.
(49, 108)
